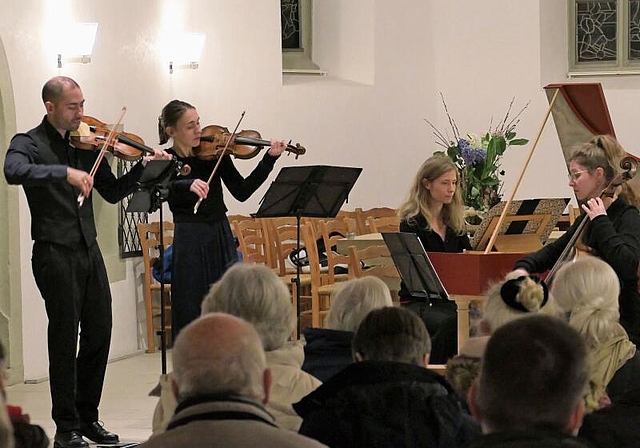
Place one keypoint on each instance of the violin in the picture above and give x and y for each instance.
(92, 134)
(217, 141)
(629, 166)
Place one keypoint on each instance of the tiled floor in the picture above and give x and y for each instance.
(125, 407)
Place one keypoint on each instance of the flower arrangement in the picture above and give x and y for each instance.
(478, 157)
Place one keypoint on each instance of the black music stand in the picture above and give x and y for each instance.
(414, 266)
(316, 191)
(152, 190)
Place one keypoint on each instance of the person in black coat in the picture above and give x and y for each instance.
(328, 350)
(613, 231)
(529, 392)
(203, 246)
(388, 398)
(434, 211)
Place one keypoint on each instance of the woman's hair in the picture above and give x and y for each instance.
(588, 289)
(604, 152)
(354, 300)
(514, 298)
(256, 294)
(417, 202)
(171, 113)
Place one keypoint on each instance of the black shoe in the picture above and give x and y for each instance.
(71, 439)
(96, 432)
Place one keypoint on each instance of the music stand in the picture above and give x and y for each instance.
(316, 191)
(152, 190)
(416, 271)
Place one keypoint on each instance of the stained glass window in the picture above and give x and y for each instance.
(596, 31)
(605, 37)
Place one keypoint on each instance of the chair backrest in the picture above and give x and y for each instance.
(331, 232)
(253, 241)
(376, 212)
(149, 234)
(351, 218)
(283, 239)
(383, 224)
(375, 261)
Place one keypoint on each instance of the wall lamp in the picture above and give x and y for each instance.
(185, 51)
(77, 43)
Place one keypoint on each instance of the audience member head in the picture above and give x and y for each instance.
(515, 297)
(463, 369)
(392, 334)
(533, 374)
(419, 198)
(354, 300)
(588, 289)
(256, 294)
(220, 354)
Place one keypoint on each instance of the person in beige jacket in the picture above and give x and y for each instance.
(256, 294)
(222, 388)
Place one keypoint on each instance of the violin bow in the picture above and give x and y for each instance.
(215, 168)
(109, 140)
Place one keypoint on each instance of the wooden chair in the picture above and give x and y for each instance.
(150, 242)
(376, 212)
(331, 231)
(283, 239)
(375, 261)
(253, 241)
(317, 287)
(383, 224)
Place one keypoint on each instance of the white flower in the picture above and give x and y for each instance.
(474, 141)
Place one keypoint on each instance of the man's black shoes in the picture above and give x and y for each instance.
(96, 432)
(70, 439)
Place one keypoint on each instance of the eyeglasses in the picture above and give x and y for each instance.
(576, 175)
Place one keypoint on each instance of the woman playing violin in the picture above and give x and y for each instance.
(613, 231)
(203, 246)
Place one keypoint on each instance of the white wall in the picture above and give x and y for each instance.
(369, 114)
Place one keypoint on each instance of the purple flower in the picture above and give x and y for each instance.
(470, 155)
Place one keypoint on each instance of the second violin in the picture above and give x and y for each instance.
(245, 144)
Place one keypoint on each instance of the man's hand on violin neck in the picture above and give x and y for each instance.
(80, 179)
(158, 154)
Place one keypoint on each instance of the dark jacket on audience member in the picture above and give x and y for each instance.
(377, 404)
(615, 426)
(326, 352)
(528, 439)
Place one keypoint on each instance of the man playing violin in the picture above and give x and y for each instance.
(66, 261)
(613, 231)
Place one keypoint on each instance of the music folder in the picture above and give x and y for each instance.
(416, 270)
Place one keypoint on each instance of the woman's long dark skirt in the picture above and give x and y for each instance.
(202, 252)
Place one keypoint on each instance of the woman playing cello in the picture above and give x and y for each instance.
(203, 246)
(613, 233)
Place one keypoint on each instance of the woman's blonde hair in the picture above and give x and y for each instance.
(604, 152)
(514, 298)
(588, 289)
(417, 202)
